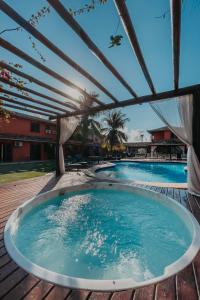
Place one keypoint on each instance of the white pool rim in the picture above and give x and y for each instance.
(93, 173)
(100, 285)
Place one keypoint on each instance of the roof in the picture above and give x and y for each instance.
(159, 143)
(23, 138)
(159, 129)
(26, 138)
(32, 118)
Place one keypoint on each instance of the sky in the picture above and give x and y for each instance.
(154, 35)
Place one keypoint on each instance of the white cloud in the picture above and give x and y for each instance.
(135, 135)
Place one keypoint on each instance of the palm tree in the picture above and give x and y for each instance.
(113, 132)
(89, 126)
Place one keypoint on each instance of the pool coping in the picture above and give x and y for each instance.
(100, 285)
(92, 173)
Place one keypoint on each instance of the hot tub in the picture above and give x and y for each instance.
(102, 236)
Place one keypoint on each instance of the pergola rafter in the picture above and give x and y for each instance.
(8, 46)
(140, 100)
(130, 31)
(124, 14)
(31, 91)
(40, 83)
(65, 15)
(38, 112)
(39, 36)
(11, 100)
(176, 32)
(27, 98)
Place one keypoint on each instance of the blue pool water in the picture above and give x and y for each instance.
(147, 171)
(103, 234)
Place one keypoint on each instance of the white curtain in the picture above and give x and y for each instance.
(177, 114)
(67, 127)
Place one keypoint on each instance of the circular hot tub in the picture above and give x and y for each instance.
(102, 236)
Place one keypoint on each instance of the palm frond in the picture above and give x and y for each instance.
(113, 133)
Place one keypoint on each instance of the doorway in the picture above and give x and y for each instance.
(35, 151)
(6, 152)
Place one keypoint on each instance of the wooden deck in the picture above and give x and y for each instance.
(16, 284)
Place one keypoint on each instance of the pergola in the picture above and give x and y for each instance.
(52, 110)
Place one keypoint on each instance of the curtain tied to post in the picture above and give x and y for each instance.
(177, 114)
(67, 127)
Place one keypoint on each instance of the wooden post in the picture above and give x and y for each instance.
(57, 146)
(2, 152)
(196, 123)
(170, 152)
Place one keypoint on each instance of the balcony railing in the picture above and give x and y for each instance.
(169, 141)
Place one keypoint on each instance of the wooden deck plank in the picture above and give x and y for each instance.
(197, 272)
(57, 292)
(2, 251)
(177, 195)
(4, 219)
(78, 295)
(39, 291)
(20, 290)
(7, 214)
(100, 296)
(186, 286)
(9, 211)
(194, 207)
(7, 270)
(170, 192)
(166, 290)
(123, 295)
(4, 260)
(184, 198)
(1, 243)
(145, 293)
(17, 284)
(2, 224)
(11, 281)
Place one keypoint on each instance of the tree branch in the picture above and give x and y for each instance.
(11, 29)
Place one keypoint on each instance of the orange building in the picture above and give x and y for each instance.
(163, 142)
(162, 134)
(25, 138)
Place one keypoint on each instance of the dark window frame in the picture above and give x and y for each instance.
(35, 127)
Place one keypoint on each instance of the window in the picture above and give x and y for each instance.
(35, 127)
(48, 130)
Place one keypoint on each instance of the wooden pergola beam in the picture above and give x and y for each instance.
(140, 100)
(27, 98)
(31, 91)
(28, 110)
(40, 83)
(11, 100)
(8, 46)
(39, 36)
(57, 146)
(196, 123)
(176, 32)
(130, 31)
(65, 15)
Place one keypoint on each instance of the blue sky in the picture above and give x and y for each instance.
(154, 35)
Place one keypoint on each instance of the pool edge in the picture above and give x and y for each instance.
(92, 173)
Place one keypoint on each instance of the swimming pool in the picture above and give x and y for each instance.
(102, 236)
(146, 171)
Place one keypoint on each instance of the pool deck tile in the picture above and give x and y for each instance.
(16, 284)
